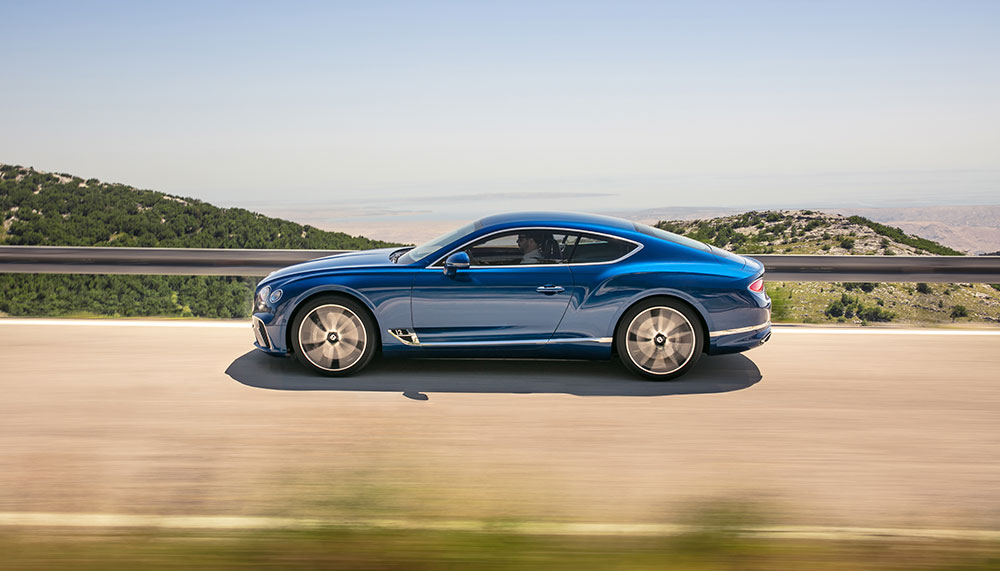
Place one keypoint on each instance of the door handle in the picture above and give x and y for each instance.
(549, 289)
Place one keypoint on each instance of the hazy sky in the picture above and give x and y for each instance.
(385, 105)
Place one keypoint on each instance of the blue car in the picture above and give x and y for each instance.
(522, 285)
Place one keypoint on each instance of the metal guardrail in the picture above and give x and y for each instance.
(948, 269)
(223, 262)
(151, 261)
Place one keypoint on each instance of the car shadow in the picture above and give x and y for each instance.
(416, 377)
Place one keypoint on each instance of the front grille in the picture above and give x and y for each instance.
(260, 332)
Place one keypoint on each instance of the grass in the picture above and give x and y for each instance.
(805, 302)
(708, 548)
(714, 535)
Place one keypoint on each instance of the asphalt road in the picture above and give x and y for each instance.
(821, 428)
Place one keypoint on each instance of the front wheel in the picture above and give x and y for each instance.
(333, 336)
(659, 339)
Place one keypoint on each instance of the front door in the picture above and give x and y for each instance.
(515, 290)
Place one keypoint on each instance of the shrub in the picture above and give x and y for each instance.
(923, 288)
(958, 311)
(866, 287)
(847, 243)
(875, 314)
(835, 309)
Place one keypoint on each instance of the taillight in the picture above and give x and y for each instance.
(757, 286)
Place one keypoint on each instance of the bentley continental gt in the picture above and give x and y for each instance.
(522, 285)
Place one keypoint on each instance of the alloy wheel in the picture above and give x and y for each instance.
(332, 337)
(660, 340)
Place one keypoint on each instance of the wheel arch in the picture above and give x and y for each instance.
(333, 293)
(702, 322)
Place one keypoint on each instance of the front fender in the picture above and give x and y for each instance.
(385, 294)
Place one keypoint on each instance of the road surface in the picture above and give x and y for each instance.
(822, 428)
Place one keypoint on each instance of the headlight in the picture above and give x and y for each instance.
(261, 296)
(274, 297)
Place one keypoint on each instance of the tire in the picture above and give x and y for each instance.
(333, 336)
(659, 339)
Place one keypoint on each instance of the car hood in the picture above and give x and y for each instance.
(362, 259)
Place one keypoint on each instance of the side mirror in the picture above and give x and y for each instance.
(455, 262)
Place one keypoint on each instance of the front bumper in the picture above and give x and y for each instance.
(264, 335)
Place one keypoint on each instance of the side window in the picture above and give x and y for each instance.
(592, 249)
(522, 247)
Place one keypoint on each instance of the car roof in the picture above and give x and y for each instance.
(543, 218)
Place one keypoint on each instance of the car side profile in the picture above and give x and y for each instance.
(520, 285)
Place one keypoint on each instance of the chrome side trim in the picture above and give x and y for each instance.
(515, 342)
(434, 266)
(484, 343)
(739, 330)
(583, 340)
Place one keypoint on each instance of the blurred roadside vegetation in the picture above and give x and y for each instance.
(367, 548)
(81, 295)
(722, 533)
(47, 209)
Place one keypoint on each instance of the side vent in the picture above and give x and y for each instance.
(406, 336)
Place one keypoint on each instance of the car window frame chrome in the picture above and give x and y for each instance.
(434, 265)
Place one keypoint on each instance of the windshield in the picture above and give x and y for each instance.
(424, 250)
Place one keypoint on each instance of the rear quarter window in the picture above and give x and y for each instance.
(591, 249)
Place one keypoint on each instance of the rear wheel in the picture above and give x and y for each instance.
(333, 336)
(659, 339)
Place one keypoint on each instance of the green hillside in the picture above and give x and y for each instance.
(809, 232)
(47, 209)
(804, 232)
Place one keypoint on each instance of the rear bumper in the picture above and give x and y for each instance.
(737, 340)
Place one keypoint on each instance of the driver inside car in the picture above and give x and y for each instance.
(538, 248)
(530, 253)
